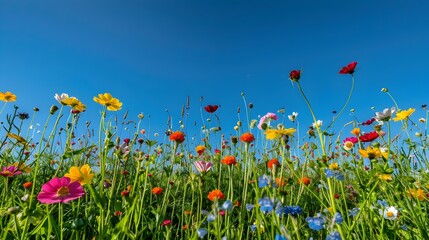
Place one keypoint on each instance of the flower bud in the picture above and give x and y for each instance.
(53, 109)
(384, 90)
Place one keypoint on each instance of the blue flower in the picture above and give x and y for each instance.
(279, 209)
(202, 232)
(316, 223)
(227, 205)
(249, 206)
(211, 217)
(280, 237)
(263, 181)
(266, 205)
(334, 173)
(334, 236)
(253, 227)
(338, 218)
(353, 212)
(383, 203)
(293, 210)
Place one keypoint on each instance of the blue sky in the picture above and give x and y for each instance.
(153, 54)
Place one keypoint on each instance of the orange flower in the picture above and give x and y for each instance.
(200, 149)
(247, 137)
(177, 136)
(417, 194)
(156, 190)
(215, 195)
(237, 203)
(281, 182)
(273, 162)
(229, 160)
(355, 131)
(185, 227)
(27, 185)
(305, 180)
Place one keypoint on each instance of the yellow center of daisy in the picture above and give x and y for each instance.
(63, 191)
(390, 214)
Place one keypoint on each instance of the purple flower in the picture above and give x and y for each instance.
(203, 166)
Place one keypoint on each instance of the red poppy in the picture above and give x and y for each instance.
(247, 137)
(368, 137)
(273, 162)
(177, 136)
(368, 122)
(349, 69)
(211, 108)
(295, 75)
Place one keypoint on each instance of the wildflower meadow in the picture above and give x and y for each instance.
(271, 180)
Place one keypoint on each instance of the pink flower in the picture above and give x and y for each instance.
(166, 222)
(354, 140)
(60, 190)
(203, 166)
(267, 118)
(10, 171)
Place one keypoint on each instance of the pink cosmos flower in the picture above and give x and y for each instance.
(60, 190)
(203, 166)
(10, 171)
(267, 118)
(354, 140)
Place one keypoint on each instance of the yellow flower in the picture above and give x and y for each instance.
(17, 138)
(405, 114)
(272, 134)
(417, 194)
(7, 97)
(372, 153)
(355, 131)
(334, 166)
(82, 175)
(22, 167)
(112, 104)
(385, 177)
(74, 103)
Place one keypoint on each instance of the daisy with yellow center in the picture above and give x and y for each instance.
(106, 99)
(372, 153)
(82, 175)
(7, 97)
(272, 134)
(404, 114)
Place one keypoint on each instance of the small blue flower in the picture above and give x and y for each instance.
(279, 209)
(334, 173)
(253, 227)
(211, 217)
(227, 205)
(383, 203)
(334, 236)
(280, 237)
(263, 181)
(249, 207)
(266, 205)
(404, 227)
(293, 210)
(338, 218)
(315, 223)
(202, 232)
(353, 212)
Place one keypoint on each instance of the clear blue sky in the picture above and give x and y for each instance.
(153, 54)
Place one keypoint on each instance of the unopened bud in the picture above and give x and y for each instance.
(53, 109)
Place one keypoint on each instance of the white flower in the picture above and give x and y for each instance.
(390, 213)
(318, 124)
(293, 116)
(61, 98)
(385, 115)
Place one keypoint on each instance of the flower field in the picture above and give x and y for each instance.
(368, 182)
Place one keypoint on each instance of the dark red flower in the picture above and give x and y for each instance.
(349, 69)
(368, 137)
(368, 122)
(127, 140)
(295, 75)
(211, 108)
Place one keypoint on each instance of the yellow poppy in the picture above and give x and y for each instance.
(405, 114)
(82, 175)
(106, 99)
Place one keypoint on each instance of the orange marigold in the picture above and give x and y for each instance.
(200, 149)
(305, 180)
(177, 136)
(157, 190)
(27, 185)
(229, 160)
(281, 182)
(273, 162)
(247, 137)
(215, 194)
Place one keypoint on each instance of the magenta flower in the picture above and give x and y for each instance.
(267, 118)
(60, 190)
(10, 171)
(351, 139)
(203, 166)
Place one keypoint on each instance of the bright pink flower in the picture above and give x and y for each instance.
(10, 171)
(211, 108)
(203, 166)
(267, 118)
(166, 222)
(354, 140)
(60, 190)
(368, 137)
(349, 69)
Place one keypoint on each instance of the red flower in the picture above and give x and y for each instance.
(177, 136)
(215, 194)
(295, 75)
(368, 137)
(211, 108)
(157, 190)
(368, 122)
(247, 137)
(229, 160)
(349, 69)
(273, 162)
